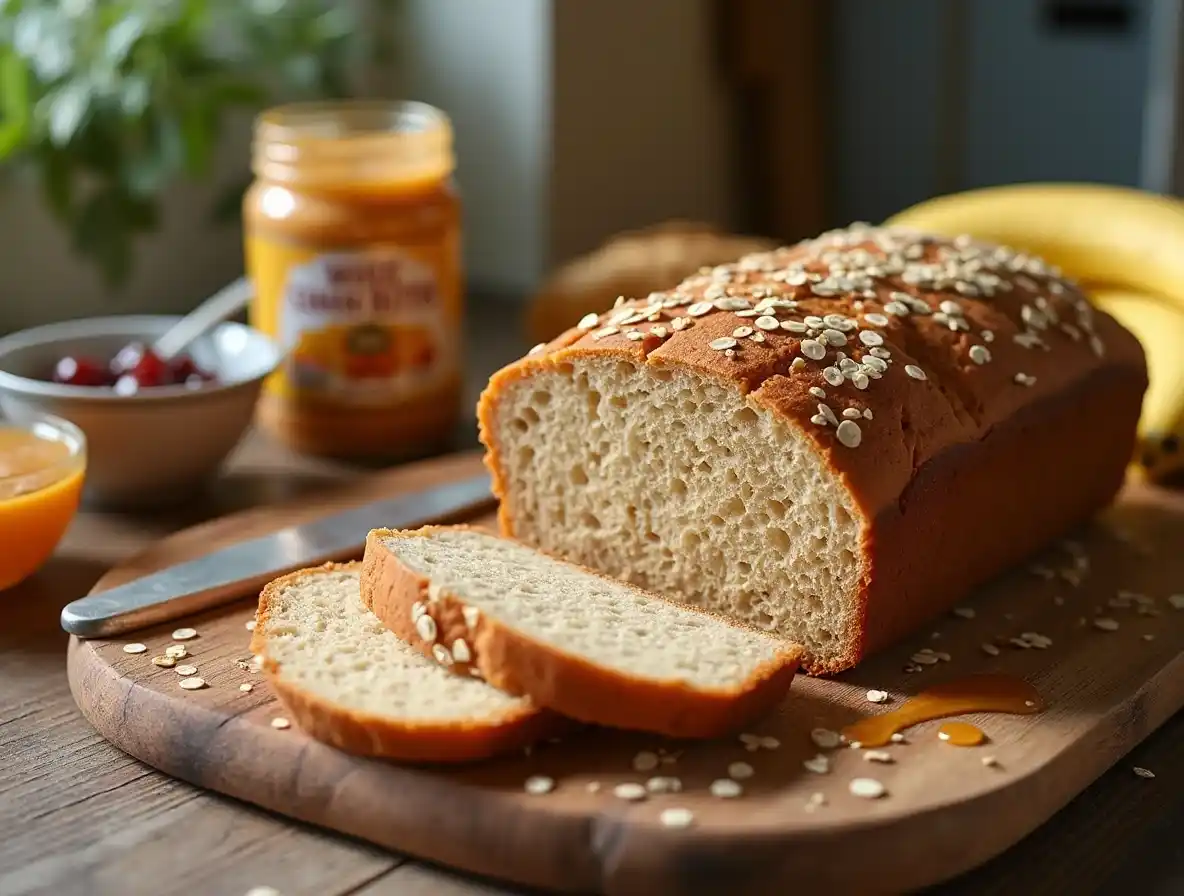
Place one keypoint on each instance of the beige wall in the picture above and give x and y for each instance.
(640, 126)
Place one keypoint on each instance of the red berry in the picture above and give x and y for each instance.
(151, 371)
(183, 368)
(80, 371)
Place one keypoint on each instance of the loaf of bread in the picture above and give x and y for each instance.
(630, 264)
(586, 646)
(349, 682)
(833, 441)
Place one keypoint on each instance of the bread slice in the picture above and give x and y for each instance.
(349, 682)
(587, 646)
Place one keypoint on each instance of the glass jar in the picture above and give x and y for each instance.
(352, 231)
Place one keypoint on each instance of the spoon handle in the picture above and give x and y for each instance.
(226, 302)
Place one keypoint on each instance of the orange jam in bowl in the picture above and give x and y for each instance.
(42, 467)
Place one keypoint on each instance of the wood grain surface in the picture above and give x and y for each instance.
(945, 811)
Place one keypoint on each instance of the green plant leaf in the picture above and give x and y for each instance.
(122, 37)
(68, 107)
(16, 110)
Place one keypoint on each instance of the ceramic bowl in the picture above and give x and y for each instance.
(155, 447)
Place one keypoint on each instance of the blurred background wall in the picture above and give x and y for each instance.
(576, 120)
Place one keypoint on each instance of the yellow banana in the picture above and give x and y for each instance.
(1128, 243)
(1159, 325)
(1094, 233)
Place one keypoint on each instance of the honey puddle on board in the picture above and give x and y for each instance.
(974, 693)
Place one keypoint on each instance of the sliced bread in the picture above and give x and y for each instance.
(348, 681)
(587, 646)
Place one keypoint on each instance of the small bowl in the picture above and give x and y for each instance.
(160, 445)
(37, 507)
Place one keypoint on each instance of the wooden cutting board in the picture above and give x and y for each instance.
(944, 812)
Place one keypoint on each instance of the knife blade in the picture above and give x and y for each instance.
(230, 573)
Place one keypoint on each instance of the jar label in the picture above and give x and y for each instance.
(366, 327)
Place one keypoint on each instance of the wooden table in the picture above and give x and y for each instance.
(79, 817)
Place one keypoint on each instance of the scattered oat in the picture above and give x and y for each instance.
(897, 738)
(192, 684)
(721, 344)
(677, 818)
(630, 791)
(1106, 624)
(877, 756)
(867, 788)
(819, 765)
(768, 742)
(725, 789)
(1176, 601)
(1143, 772)
(874, 696)
(663, 784)
(816, 801)
(592, 787)
(990, 762)
(279, 723)
(536, 785)
(440, 653)
(186, 670)
(246, 687)
(915, 372)
(134, 647)
(184, 634)
(924, 659)
(964, 612)
(460, 651)
(739, 771)
(1149, 637)
(589, 321)
(645, 761)
(250, 625)
(825, 739)
(989, 649)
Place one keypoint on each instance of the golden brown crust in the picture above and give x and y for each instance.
(386, 737)
(631, 264)
(1022, 342)
(564, 682)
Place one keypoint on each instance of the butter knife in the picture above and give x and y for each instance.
(232, 572)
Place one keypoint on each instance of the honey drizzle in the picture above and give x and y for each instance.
(961, 734)
(974, 693)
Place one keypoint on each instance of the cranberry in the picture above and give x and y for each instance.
(183, 368)
(80, 371)
(146, 366)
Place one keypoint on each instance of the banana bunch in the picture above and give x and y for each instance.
(1126, 248)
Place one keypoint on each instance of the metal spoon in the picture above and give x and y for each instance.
(226, 302)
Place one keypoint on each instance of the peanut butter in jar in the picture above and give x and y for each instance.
(352, 231)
